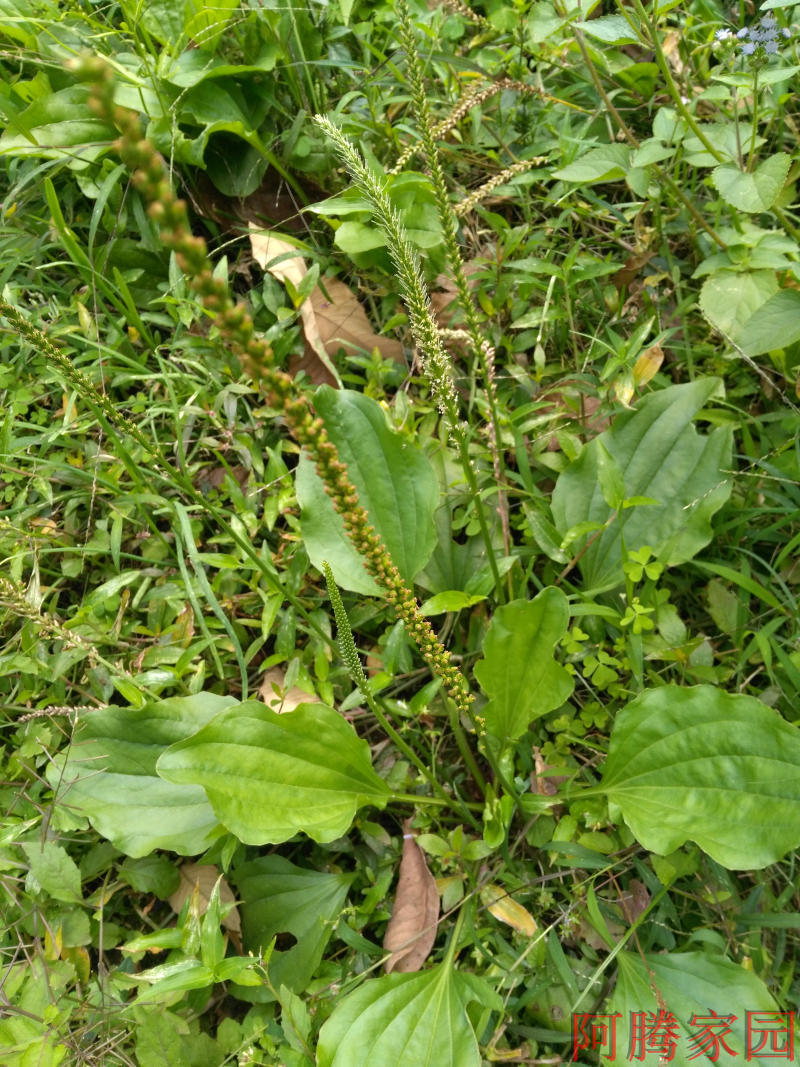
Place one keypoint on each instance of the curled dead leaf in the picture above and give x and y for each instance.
(203, 877)
(504, 908)
(412, 928)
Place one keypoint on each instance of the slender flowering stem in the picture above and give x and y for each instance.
(482, 350)
(436, 362)
(236, 329)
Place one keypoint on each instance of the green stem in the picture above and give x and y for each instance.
(452, 944)
(437, 802)
(669, 81)
(631, 138)
(464, 747)
(449, 224)
(751, 155)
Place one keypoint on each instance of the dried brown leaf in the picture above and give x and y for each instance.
(284, 699)
(632, 269)
(412, 928)
(343, 323)
(634, 900)
(267, 248)
(203, 877)
(331, 317)
(542, 783)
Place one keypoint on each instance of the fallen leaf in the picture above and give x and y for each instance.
(343, 323)
(542, 783)
(628, 274)
(331, 316)
(204, 877)
(208, 478)
(412, 928)
(634, 900)
(504, 908)
(266, 249)
(275, 695)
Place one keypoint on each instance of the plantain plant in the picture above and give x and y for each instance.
(680, 778)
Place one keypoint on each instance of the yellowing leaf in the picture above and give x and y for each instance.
(412, 928)
(507, 910)
(648, 363)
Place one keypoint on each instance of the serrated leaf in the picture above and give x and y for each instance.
(395, 482)
(518, 672)
(662, 457)
(54, 870)
(403, 1020)
(692, 985)
(730, 300)
(611, 29)
(699, 764)
(279, 898)
(775, 324)
(756, 190)
(109, 775)
(270, 776)
(607, 163)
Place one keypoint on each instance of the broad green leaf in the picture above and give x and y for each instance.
(194, 65)
(61, 120)
(270, 776)
(355, 237)
(660, 456)
(395, 481)
(158, 875)
(691, 985)
(206, 20)
(404, 1020)
(752, 191)
(518, 672)
(450, 600)
(611, 29)
(730, 300)
(109, 775)
(699, 764)
(604, 164)
(775, 324)
(277, 898)
(13, 17)
(164, 20)
(53, 869)
(164, 1038)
